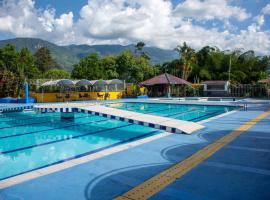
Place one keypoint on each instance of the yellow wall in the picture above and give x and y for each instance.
(131, 89)
(74, 96)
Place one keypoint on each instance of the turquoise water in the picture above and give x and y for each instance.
(193, 113)
(30, 140)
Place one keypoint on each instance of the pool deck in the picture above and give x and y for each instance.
(238, 170)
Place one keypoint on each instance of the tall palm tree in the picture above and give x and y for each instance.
(139, 49)
(187, 58)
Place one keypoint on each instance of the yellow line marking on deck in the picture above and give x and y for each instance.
(155, 184)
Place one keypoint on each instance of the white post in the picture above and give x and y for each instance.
(230, 65)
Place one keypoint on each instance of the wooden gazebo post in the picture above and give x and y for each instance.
(169, 90)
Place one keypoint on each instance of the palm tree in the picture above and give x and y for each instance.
(139, 49)
(187, 58)
(139, 46)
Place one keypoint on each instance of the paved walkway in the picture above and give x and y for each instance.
(240, 170)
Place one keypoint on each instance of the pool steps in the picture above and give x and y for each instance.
(163, 123)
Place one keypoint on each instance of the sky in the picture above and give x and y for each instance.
(226, 24)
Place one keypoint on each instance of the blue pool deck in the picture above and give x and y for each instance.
(240, 170)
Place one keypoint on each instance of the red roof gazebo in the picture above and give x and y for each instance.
(267, 81)
(165, 79)
(162, 83)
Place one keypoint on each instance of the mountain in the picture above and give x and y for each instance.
(63, 56)
(67, 56)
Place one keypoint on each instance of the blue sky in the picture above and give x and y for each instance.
(228, 24)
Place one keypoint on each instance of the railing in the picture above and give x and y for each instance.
(247, 90)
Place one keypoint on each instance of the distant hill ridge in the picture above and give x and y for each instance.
(67, 56)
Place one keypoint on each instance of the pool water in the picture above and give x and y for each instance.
(30, 140)
(193, 113)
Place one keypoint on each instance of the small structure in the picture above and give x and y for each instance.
(79, 90)
(82, 82)
(266, 82)
(82, 85)
(165, 85)
(216, 88)
(115, 85)
(60, 83)
(99, 85)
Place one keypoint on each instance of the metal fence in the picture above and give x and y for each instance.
(248, 90)
(241, 90)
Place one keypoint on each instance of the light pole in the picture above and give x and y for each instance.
(230, 66)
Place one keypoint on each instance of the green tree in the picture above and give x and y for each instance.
(108, 63)
(9, 58)
(88, 68)
(44, 60)
(139, 50)
(173, 67)
(57, 74)
(187, 58)
(27, 65)
(133, 68)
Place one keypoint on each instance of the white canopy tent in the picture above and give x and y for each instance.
(61, 82)
(82, 82)
(115, 84)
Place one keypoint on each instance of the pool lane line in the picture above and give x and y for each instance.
(19, 123)
(89, 152)
(153, 111)
(22, 118)
(63, 127)
(49, 121)
(60, 127)
(21, 115)
(3, 137)
(39, 123)
(25, 124)
(66, 126)
(71, 125)
(158, 182)
(180, 113)
(211, 113)
(60, 140)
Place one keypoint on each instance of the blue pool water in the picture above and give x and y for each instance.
(193, 113)
(30, 140)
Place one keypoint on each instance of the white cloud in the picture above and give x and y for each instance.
(22, 19)
(156, 22)
(266, 9)
(209, 10)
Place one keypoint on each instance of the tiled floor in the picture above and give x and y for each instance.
(240, 170)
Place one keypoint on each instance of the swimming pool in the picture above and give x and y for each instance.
(30, 140)
(186, 112)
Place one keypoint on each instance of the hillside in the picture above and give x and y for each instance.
(66, 56)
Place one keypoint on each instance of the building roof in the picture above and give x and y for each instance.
(114, 82)
(215, 82)
(165, 79)
(82, 82)
(98, 82)
(61, 82)
(265, 80)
